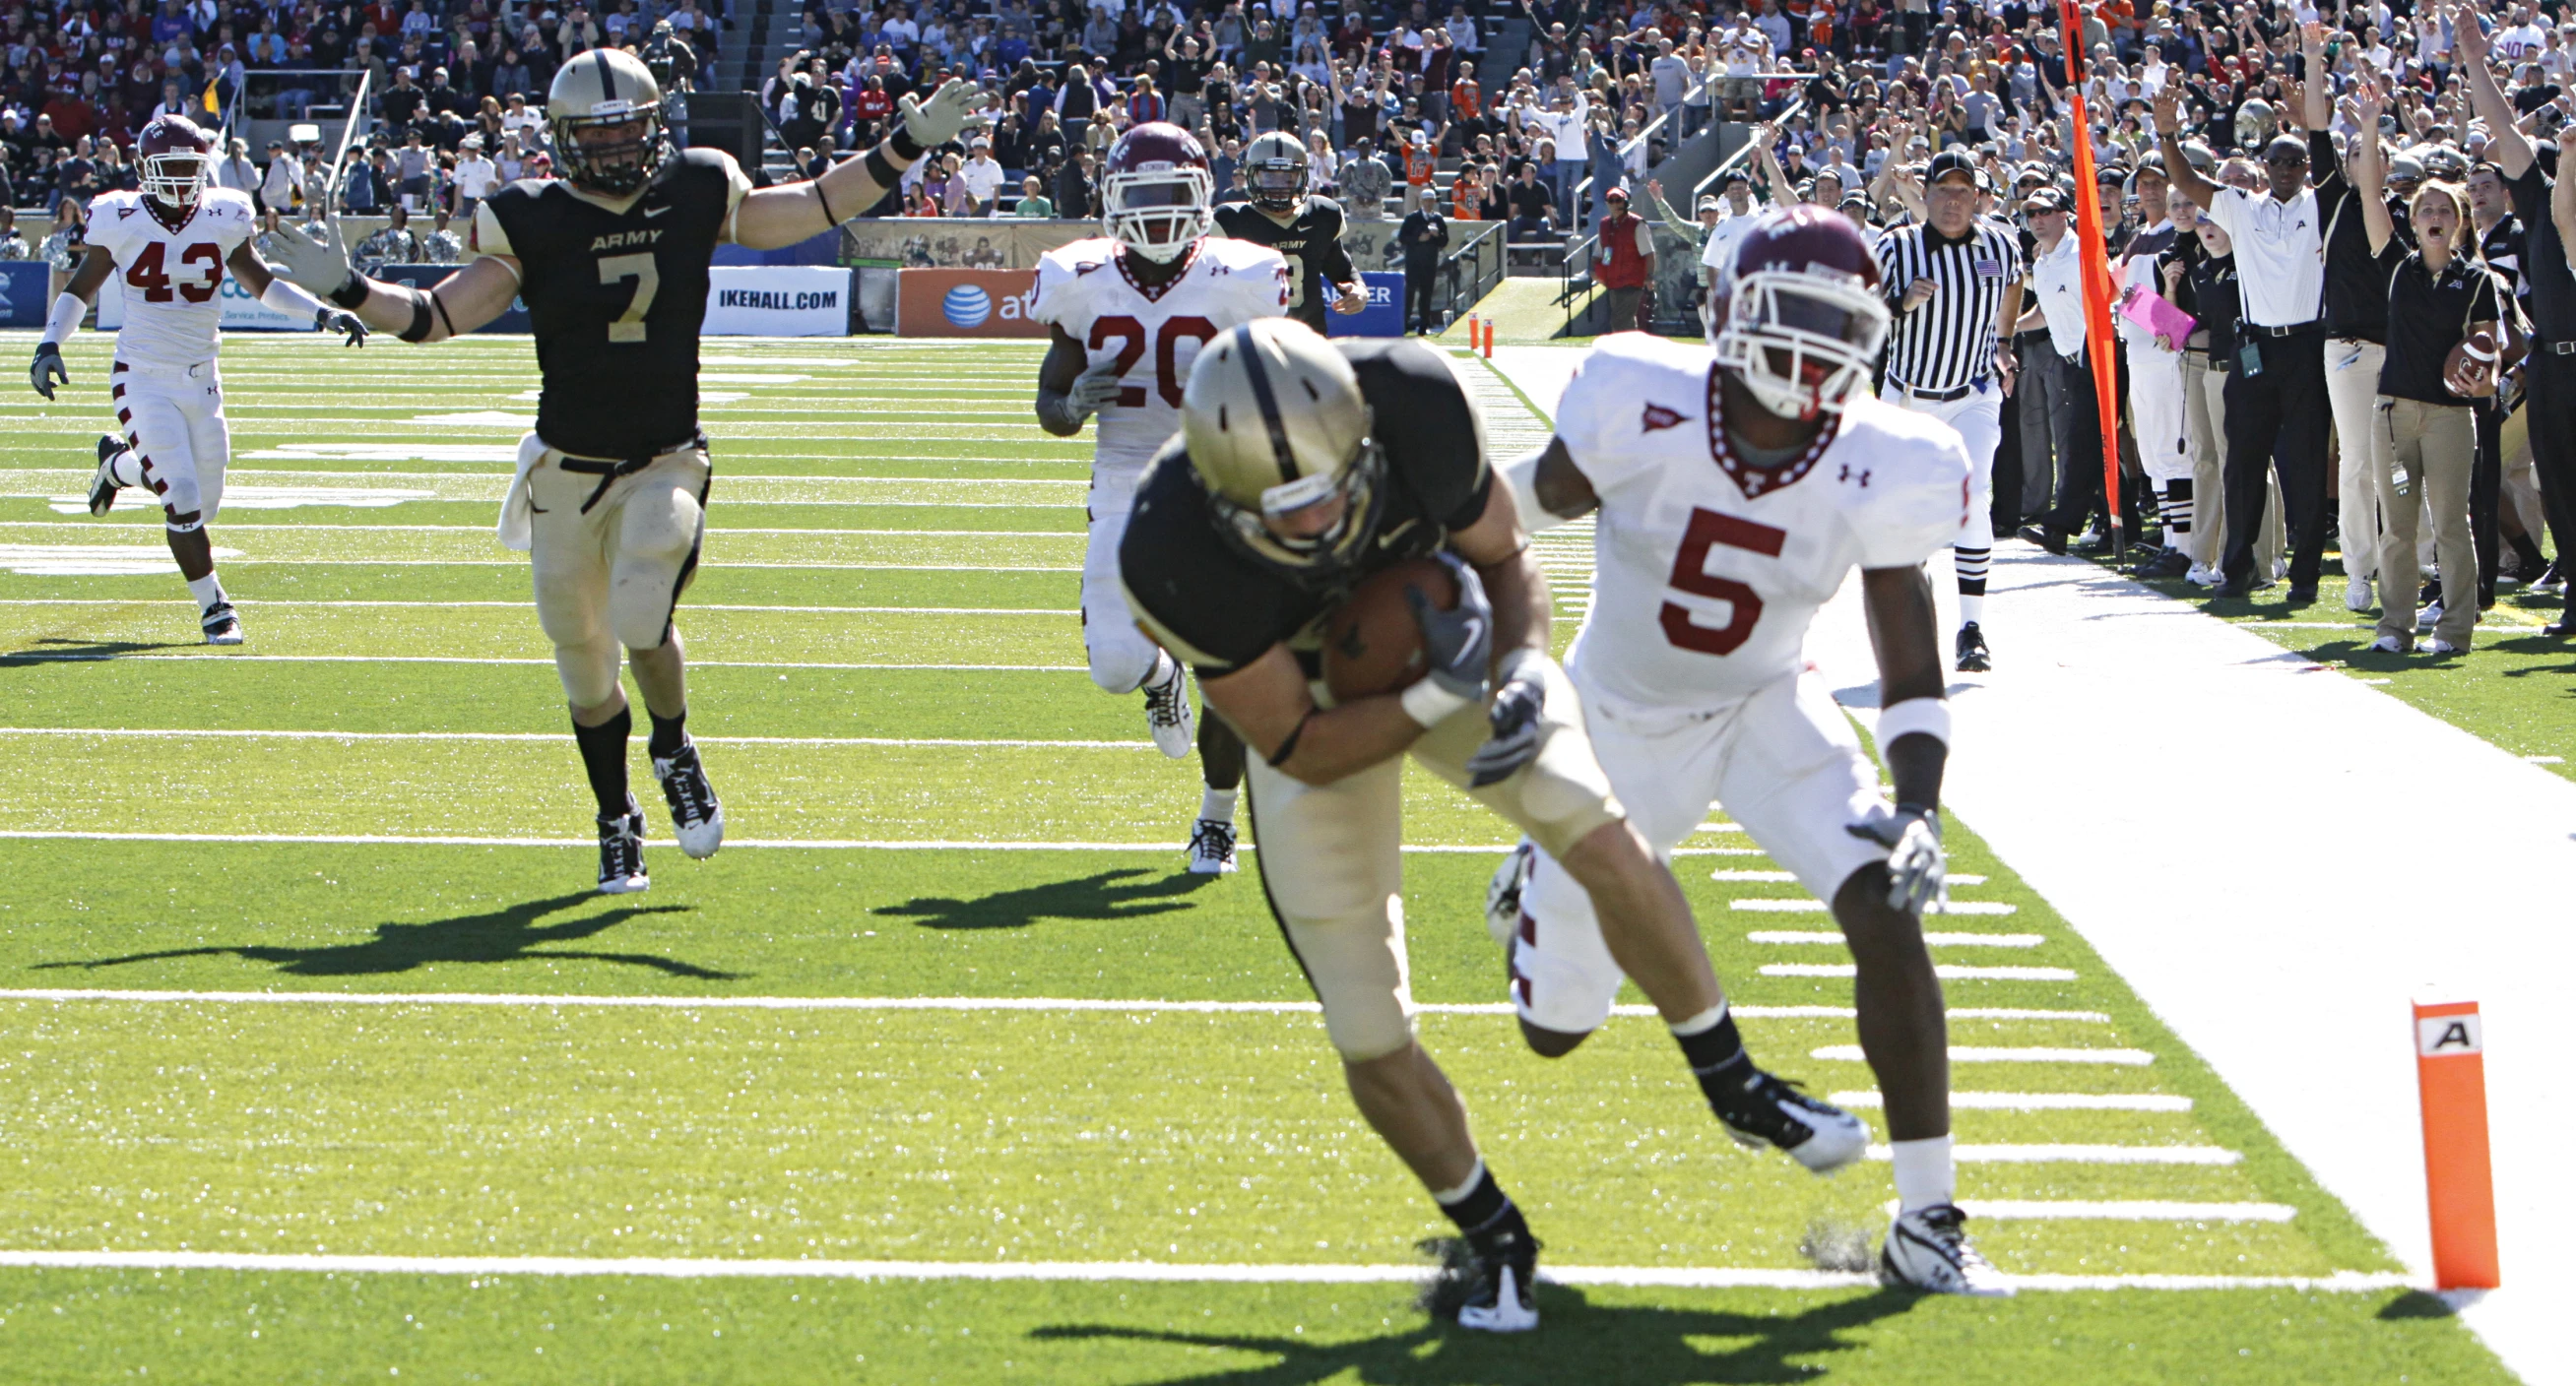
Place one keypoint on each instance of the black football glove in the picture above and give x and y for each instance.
(352, 328)
(1517, 718)
(46, 371)
(1459, 643)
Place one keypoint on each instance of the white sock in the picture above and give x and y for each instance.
(1924, 1177)
(208, 591)
(1164, 668)
(1217, 804)
(1701, 1023)
(127, 468)
(1445, 1197)
(1972, 608)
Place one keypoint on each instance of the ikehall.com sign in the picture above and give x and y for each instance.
(778, 301)
(966, 303)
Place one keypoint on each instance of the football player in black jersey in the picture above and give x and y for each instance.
(1304, 227)
(610, 495)
(1302, 467)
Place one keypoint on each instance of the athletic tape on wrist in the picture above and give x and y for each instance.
(1430, 704)
(905, 147)
(882, 169)
(65, 319)
(1929, 716)
(351, 293)
(282, 296)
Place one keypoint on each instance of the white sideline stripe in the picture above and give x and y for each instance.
(2015, 1210)
(1936, 940)
(41, 657)
(886, 1003)
(230, 528)
(256, 604)
(247, 734)
(2083, 1154)
(1946, 971)
(1759, 877)
(1977, 1054)
(1820, 907)
(2036, 1101)
(1697, 1278)
(808, 844)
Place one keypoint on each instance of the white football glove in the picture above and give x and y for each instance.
(320, 268)
(1918, 874)
(951, 110)
(1096, 389)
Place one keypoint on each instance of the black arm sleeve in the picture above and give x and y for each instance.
(1335, 263)
(2326, 167)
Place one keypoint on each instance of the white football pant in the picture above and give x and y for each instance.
(1785, 765)
(173, 419)
(1979, 418)
(611, 575)
(2352, 388)
(1121, 656)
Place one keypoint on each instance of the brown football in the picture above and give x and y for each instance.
(2460, 368)
(1372, 643)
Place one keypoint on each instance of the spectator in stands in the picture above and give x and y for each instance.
(1423, 236)
(1076, 197)
(981, 177)
(1144, 104)
(1421, 165)
(1033, 203)
(1533, 207)
(1365, 180)
(279, 183)
(1623, 262)
(476, 178)
(395, 244)
(13, 246)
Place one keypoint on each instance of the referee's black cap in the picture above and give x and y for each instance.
(1950, 161)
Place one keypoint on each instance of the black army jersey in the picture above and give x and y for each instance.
(616, 299)
(1312, 243)
(1212, 605)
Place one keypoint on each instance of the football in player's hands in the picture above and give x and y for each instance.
(1372, 643)
(2470, 369)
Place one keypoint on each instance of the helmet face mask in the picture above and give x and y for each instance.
(1319, 559)
(605, 112)
(172, 159)
(1283, 444)
(1157, 194)
(1799, 321)
(1275, 169)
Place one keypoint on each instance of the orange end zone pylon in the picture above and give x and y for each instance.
(2459, 1180)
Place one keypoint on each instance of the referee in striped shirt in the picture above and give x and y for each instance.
(1954, 283)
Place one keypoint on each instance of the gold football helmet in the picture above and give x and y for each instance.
(1280, 436)
(1276, 171)
(600, 90)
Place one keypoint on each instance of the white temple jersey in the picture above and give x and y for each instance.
(171, 279)
(1153, 336)
(1709, 571)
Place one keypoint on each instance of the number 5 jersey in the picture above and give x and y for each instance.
(1710, 569)
(172, 278)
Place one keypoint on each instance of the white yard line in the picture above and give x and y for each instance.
(2036, 1101)
(2084, 1154)
(799, 844)
(2021, 1210)
(707, 1268)
(1790, 878)
(1980, 1054)
(1820, 907)
(231, 528)
(1946, 971)
(258, 604)
(1937, 940)
(52, 657)
(248, 734)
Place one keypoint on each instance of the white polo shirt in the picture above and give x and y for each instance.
(2280, 254)
(2058, 276)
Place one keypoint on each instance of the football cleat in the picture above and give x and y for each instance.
(2550, 582)
(103, 484)
(1499, 1287)
(1973, 656)
(1503, 893)
(2438, 646)
(1167, 712)
(2427, 618)
(1212, 847)
(621, 851)
(2202, 575)
(697, 820)
(2388, 644)
(1928, 1250)
(1775, 1113)
(221, 624)
(2356, 595)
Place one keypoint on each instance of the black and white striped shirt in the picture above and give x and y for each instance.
(1950, 341)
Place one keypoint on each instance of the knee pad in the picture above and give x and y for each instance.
(588, 670)
(1356, 965)
(641, 600)
(1121, 661)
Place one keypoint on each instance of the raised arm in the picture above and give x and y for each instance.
(2370, 168)
(776, 217)
(2316, 89)
(2178, 170)
(2562, 194)
(1783, 192)
(2513, 153)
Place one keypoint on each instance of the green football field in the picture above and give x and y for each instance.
(319, 1060)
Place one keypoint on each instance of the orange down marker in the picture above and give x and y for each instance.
(2459, 1181)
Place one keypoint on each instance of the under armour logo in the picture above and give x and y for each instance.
(1863, 479)
(1657, 416)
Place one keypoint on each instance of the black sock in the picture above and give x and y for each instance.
(2529, 553)
(669, 734)
(1717, 1059)
(1487, 1216)
(603, 758)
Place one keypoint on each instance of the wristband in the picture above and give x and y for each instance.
(65, 319)
(882, 169)
(351, 293)
(904, 145)
(1928, 716)
(1430, 704)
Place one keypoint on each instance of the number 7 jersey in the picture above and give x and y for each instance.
(172, 279)
(1708, 570)
(1152, 336)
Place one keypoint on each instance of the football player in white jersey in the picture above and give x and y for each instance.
(1128, 313)
(172, 242)
(1735, 496)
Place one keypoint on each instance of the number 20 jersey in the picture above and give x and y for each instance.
(1709, 571)
(172, 279)
(1153, 336)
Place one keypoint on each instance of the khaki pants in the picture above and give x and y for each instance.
(1332, 864)
(2204, 389)
(609, 565)
(2352, 388)
(2436, 445)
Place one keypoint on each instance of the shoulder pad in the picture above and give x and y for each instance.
(1239, 256)
(1631, 386)
(1908, 483)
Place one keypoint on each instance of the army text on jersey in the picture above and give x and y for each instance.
(1312, 245)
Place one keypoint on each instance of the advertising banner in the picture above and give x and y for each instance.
(778, 301)
(23, 297)
(966, 303)
(1384, 316)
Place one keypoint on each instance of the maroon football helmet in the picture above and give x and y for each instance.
(1798, 316)
(173, 155)
(1157, 194)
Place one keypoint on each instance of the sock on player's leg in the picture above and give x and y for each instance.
(2177, 500)
(1484, 1213)
(603, 759)
(1217, 804)
(127, 468)
(669, 734)
(1715, 1052)
(1972, 608)
(208, 590)
(1925, 1176)
(1164, 668)
(1971, 565)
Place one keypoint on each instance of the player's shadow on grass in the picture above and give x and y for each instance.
(1106, 895)
(1635, 1346)
(57, 651)
(512, 934)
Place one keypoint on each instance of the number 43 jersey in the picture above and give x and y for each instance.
(1153, 336)
(172, 278)
(1709, 570)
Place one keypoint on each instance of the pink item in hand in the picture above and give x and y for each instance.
(2154, 312)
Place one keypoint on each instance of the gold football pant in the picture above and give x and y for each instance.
(611, 555)
(1332, 864)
